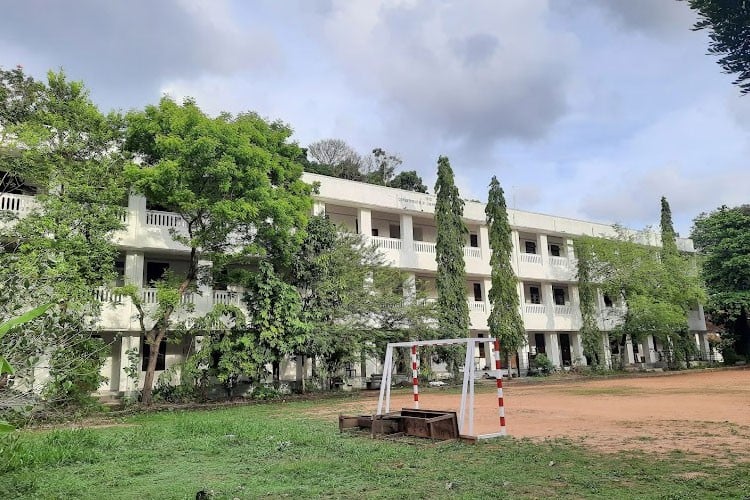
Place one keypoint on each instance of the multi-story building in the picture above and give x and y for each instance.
(402, 225)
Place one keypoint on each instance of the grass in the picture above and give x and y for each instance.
(288, 450)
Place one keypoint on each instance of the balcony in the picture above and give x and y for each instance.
(535, 309)
(386, 243)
(531, 258)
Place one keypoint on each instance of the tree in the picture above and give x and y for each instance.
(505, 321)
(336, 158)
(352, 303)
(233, 180)
(723, 239)
(668, 234)
(408, 180)
(452, 307)
(381, 167)
(658, 293)
(728, 23)
(60, 251)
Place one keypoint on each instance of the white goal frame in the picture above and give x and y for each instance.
(466, 410)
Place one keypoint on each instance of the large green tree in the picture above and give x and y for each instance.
(236, 183)
(728, 23)
(505, 320)
(452, 306)
(60, 250)
(723, 239)
(408, 180)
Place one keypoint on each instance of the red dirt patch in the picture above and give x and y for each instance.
(698, 412)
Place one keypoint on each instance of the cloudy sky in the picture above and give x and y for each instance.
(584, 108)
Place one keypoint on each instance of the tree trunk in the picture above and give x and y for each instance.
(148, 381)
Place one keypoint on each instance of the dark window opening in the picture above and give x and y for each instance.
(155, 271)
(160, 357)
(120, 270)
(539, 342)
(554, 250)
(473, 240)
(375, 231)
(13, 184)
(395, 231)
(221, 279)
(356, 226)
(534, 295)
(559, 295)
(477, 292)
(607, 301)
(530, 246)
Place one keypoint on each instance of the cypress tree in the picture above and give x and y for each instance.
(452, 306)
(668, 236)
(505, 321)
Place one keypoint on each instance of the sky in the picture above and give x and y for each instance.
(591, 109)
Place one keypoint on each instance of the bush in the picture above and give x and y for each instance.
(543, 363)
(74, 372)
(264, 393)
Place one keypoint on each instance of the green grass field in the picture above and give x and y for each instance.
(290, 450)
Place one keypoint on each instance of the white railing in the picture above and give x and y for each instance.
(531, 258)
(563, 310)
(472, 252)
(424, 247)
(559, 261)
(149, 295)
(227, 298)
(19, 204)
(387, 243)
(104, 294)
(165, 219)
(535, 309)
(478, 306)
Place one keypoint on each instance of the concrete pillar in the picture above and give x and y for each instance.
(136, 211)
(544, 249)
(576, 342)
(364, 215)
(134, 263)
(407, 232)
(607, 361)
(484, 243)
(410, 286)
(547, 299)
(629, 354)
(129, 342)
(319, 208)
(552, 342)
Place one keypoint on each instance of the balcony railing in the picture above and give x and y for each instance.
(227, 298)
(165, 219)
(472, 252)
(18, 204)
(535, 309)
(477, 306)
(424, 247)
(104, 294)
(386, 243)
(562, 310)
(559, 261)
(531, 258)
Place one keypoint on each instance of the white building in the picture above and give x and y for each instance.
(402, 224)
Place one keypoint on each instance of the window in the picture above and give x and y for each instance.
(375, 231)
(559, 295)
(120, 270)
(530, 246)
(395, 231)
(534, 295)
(607, 301)
(554, 250)
(418, 234)
(477, 292)
(473, 240)
(539, 342)
(160, 357)
(155, 271)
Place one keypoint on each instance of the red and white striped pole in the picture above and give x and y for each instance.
(500, 403)
(415, 375)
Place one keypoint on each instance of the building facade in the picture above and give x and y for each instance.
(402, 225)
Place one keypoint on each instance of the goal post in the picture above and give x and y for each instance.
(466, 408)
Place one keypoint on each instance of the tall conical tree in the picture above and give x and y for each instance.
(505, 321)
(453, 308)
(668, 236)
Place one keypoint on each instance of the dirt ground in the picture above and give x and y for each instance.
(703, 412)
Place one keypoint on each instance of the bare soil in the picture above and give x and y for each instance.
(703, 412)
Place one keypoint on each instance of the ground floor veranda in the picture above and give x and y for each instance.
(563, 349)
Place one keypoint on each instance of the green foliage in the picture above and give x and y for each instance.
(72, 382)
(408, 180)
(264, 393)
(505, 321)
(728, 23)
(236, 183)
(591, 336)
(543, 363)
(723, 239)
